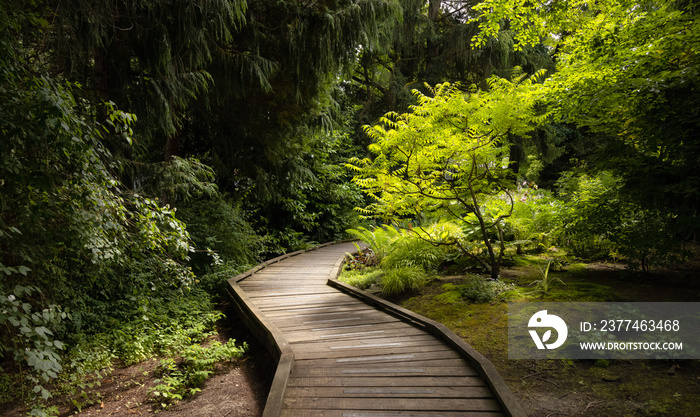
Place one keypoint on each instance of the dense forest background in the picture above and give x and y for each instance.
(151, 149)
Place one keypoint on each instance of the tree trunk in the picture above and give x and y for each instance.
(433, 48)
(495, 263)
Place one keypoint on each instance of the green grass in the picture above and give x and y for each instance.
(361, 278)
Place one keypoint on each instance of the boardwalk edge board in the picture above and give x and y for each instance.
(277, 345)
(267, 333)
(482, 365)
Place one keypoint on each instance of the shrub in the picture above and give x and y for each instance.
(361, 278)
(218, 224)
(379, 239)
(198, 363)
(408, 251)
(402, 279)
(477, 290)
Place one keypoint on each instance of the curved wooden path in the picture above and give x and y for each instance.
(342, 352)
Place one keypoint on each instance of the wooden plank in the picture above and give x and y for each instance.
(281, 293)
(353, 360)
(318, 325)
(385, 370)
(304, 354)
(390, 392)
(393, 404)
(269, 284)
(350, 345)
(358, 362)
(325, 299)
(274, 340)
(309, 336)
(483, 365)
(297, 311)
(374, 413)
(271, 309)
(383, 381)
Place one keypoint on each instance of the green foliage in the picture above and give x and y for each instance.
(361, 278)
(448, 157)
(309, 199)
(536, 219)
(72, 234)
(379, 239)
(544, 285)
(403, 257)
(197, 364)
(214, 282)
(219, 225)
(408, 250)
(403, 279)
(475, 289)
(29, 337)
(163, 326)
(624, 70)
(148, 56)
(600, 221)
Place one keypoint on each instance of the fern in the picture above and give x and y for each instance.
(409, 251)
(379, 239)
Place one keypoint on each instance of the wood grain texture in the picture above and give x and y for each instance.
(342, 352)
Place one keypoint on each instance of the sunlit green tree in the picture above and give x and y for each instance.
(628, 74)
(449, 157)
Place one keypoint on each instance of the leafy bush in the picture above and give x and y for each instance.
(601, 221)
(164, 326)
(69, 226)
(475, 289)
(218, 224)
(403, 256)
(408, 250)
(29, 336)
(379, 238)
(198, 363)
(402, 279)
(536, 218)
(361, 278)
(214, 282)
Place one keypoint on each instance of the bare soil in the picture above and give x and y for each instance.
(238, 388)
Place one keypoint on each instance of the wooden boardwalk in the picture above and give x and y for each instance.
(342, 352)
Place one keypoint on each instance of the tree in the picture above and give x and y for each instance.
(254, 131)
(627, 73)
(448, 157)
(73, 237)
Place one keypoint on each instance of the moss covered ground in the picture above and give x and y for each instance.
(573, 387)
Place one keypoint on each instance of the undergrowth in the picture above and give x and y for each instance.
(476, 290)
(361, 278)
(171, 325)
(180, 380)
